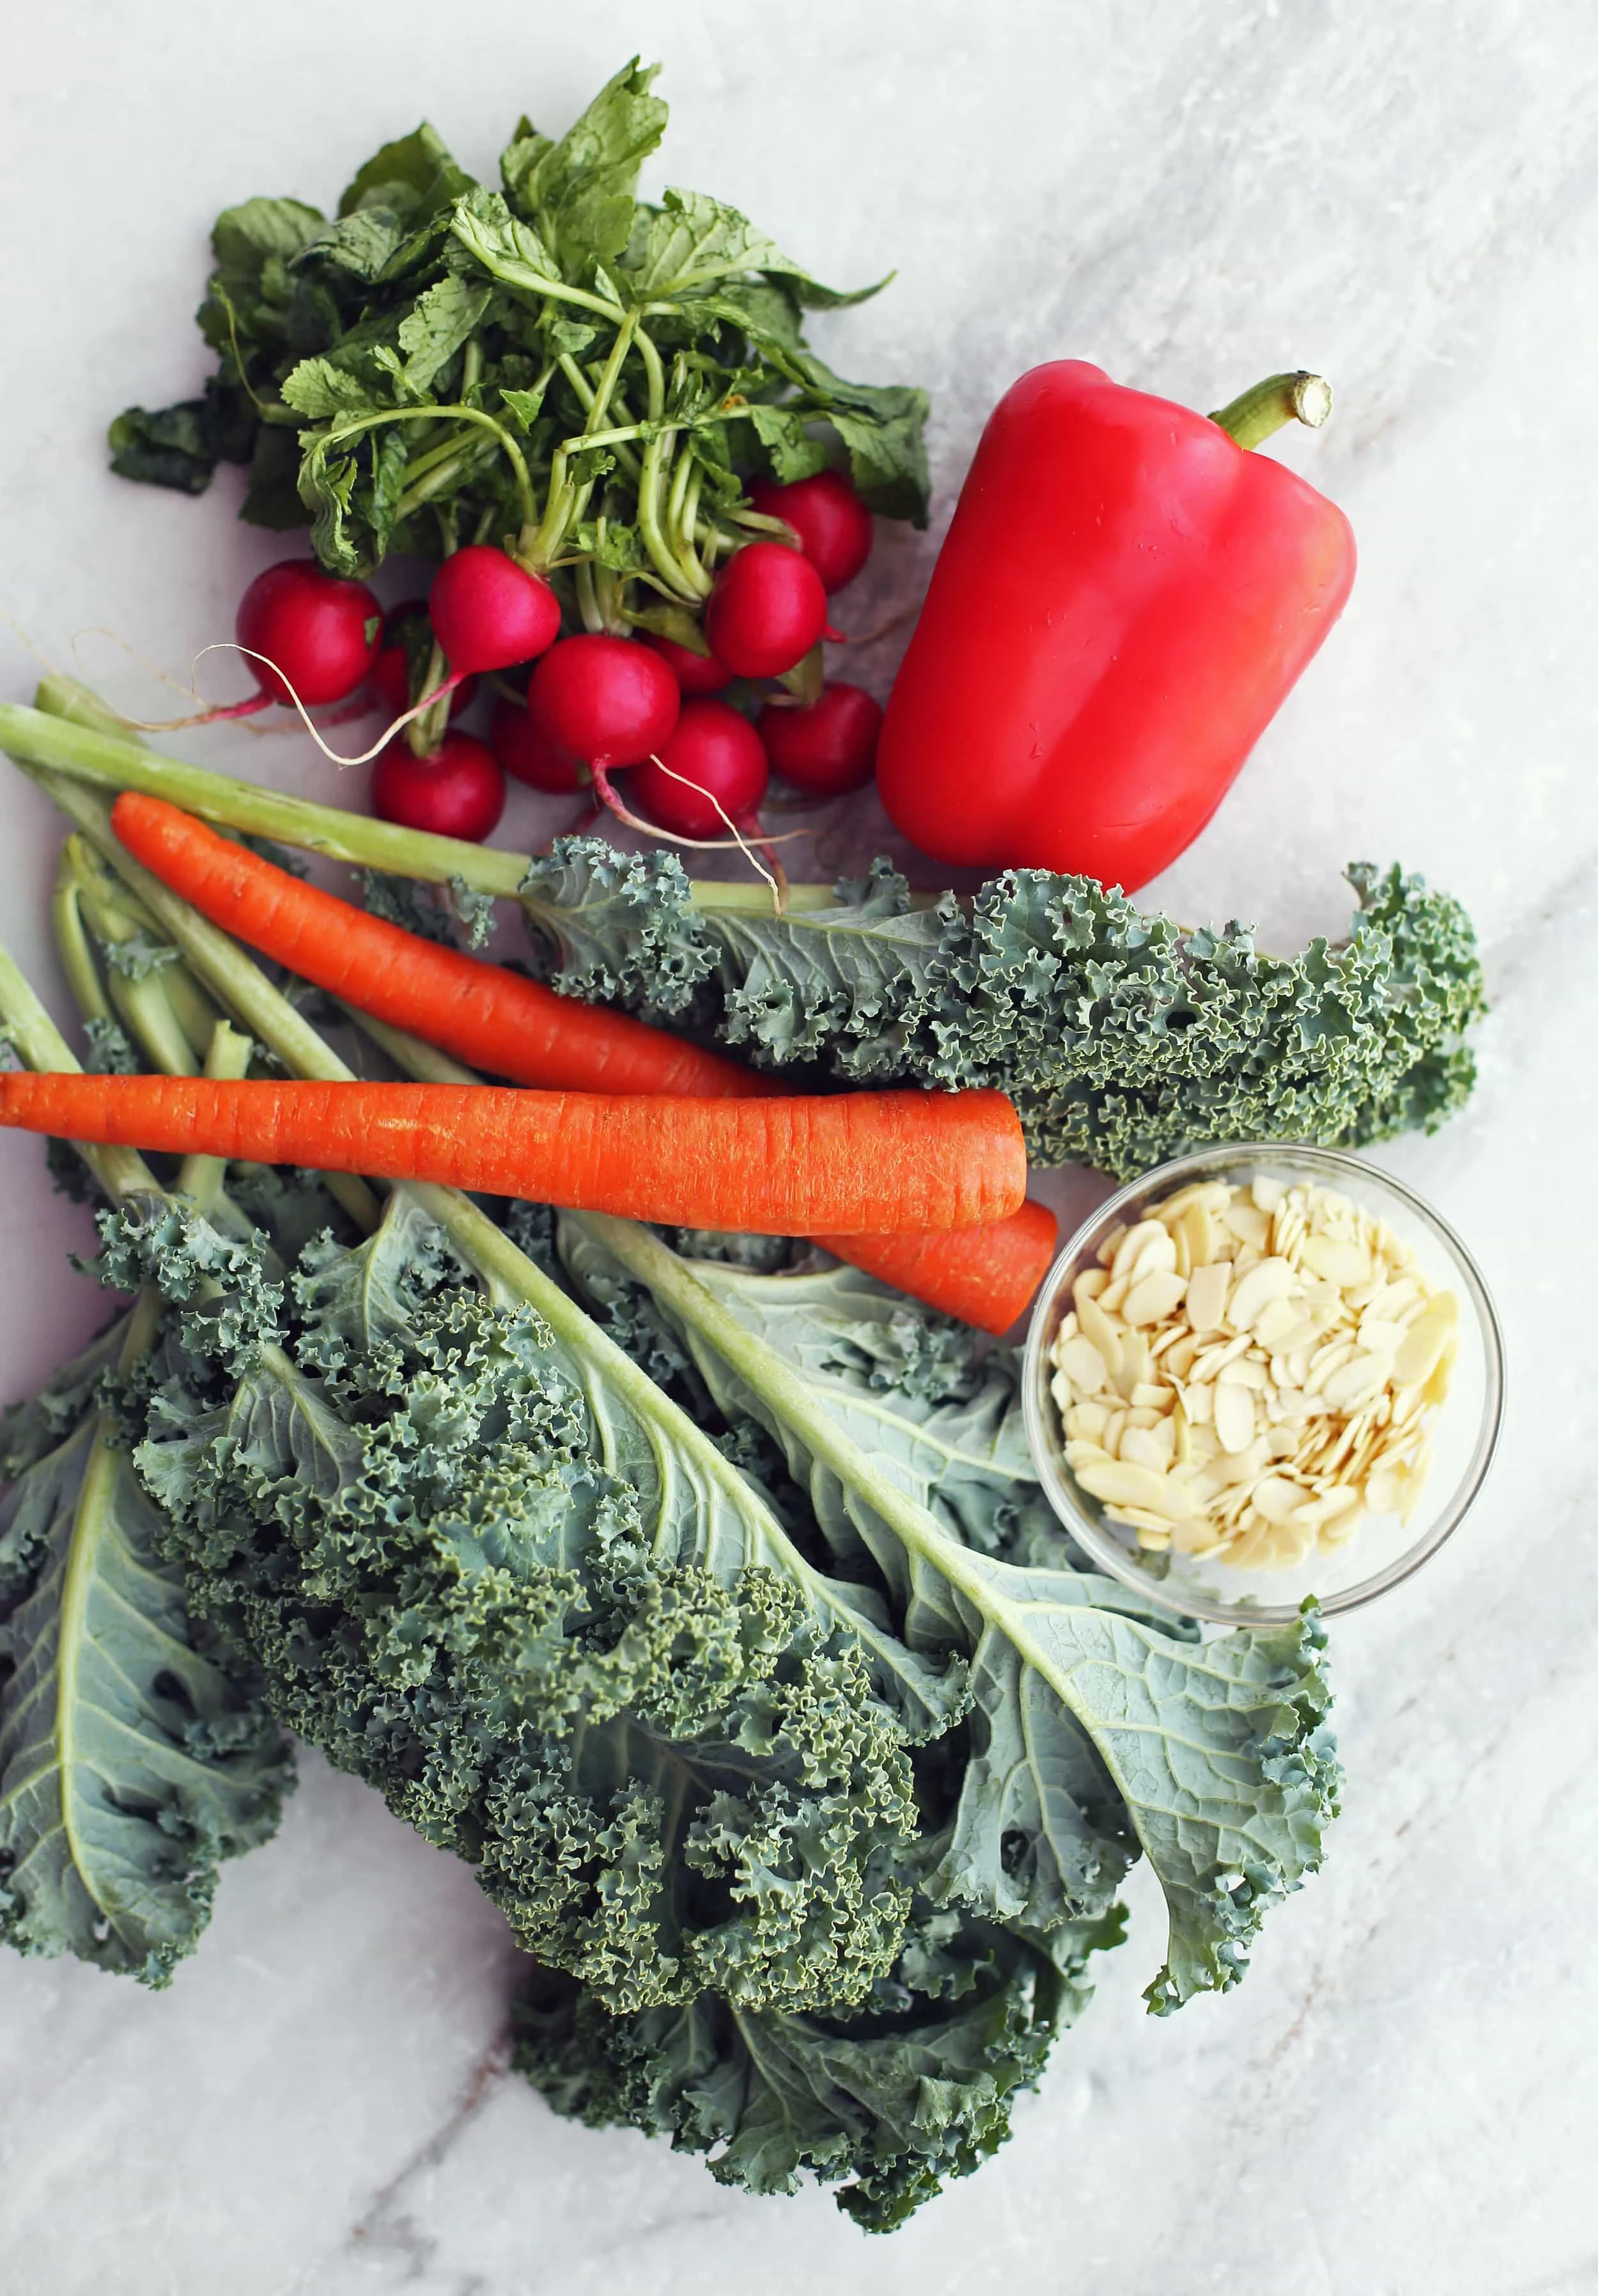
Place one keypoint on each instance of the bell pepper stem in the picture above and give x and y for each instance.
(1280, 398)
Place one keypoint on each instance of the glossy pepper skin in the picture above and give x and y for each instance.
(1125, 598)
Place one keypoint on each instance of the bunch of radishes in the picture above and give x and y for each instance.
(593, 705)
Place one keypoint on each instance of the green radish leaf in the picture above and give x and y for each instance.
(362, 245)
(172, 446)
(439, 324)
(250, 293)
(525, 406)
(789, 449)
(131, 1759)
(579, 192)
(506, 246)
(690, 242)
(317, 388)
(414, 176)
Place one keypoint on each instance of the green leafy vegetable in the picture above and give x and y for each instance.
(1093, 1732)
(895, 2101)
(785, 1726)
(1122, 1038)
(133, 1756)
(585, 1652)
(427, 367)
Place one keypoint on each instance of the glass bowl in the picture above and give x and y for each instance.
(1383, 1550)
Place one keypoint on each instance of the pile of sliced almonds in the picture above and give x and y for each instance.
(1250, 1371)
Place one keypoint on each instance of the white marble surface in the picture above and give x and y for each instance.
(1193, 193)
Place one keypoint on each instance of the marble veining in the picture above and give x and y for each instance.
(1400, 2099)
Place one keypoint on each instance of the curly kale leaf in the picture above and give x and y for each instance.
(1095, 1734)
(916, 2088)
(1122, 1038)
(618, 929)
(134, 1751)
(484, 1564)
(36, 1425)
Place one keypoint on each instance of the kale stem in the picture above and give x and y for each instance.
(72, 944)
(39, 1044)
(65, 737)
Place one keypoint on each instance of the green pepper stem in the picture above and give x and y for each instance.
(1280, 398)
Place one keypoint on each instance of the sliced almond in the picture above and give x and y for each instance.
(1097, 1327)
(1111, 1245)
(1157, 1257)
(1133, 1364)
(1154, 1295)
(1248, 1225)
(1340, 1261)
(1275, 1321)
(1129, 1250)
(1272, 1279)
(1234, 1418)
(1083, 1364)
(1244, 1409)
(1277, 1499)
(1425, 1339)
(1359, 1378)
(1120, 1483)
(1206, 1289)
(1141, 1448)
(1198, 1229)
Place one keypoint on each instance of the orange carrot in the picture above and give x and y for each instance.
(483, 1013)
(880, 1161)
(985, 1275)
(497, 1020)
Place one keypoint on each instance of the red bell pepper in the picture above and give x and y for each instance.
(1123, 602)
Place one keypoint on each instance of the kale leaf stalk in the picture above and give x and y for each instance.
(134, 1753)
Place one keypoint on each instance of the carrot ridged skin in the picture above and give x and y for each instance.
(881, 1161)
(985, 1275)
(482, 1013)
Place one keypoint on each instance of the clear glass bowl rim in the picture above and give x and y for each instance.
(1336, 1164)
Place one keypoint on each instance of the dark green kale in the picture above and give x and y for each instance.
(471, 1570)
(1122, 1038)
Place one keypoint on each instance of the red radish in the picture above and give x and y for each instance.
(317, 632)
(607, 700)
(831, 523)
(829, 748)
(714, 755)
(695, 672)
(459, 792)
(527, 757)
(390, 679)
(767, 610)
(489, 613)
